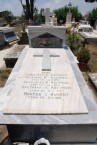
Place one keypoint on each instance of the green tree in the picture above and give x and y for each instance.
(32, 2)
(61, 13)
(93, 16)
(28, 9)
(90, 1)
(42, 18)
(8, 16)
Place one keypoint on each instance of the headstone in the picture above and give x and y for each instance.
(47, 14)
(68, 19)
(46, 36)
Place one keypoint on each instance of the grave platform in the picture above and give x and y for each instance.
(57, 128)
(93, 79)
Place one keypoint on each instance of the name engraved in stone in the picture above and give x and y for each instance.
(52, 86)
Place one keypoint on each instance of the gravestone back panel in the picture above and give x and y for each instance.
(46, 41)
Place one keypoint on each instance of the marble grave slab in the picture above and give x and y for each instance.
(46, 84)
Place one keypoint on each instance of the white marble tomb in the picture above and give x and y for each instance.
(43, 74)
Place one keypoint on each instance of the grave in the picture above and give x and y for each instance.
(89, 36)
(7, 35)
(87, 32)
(47, 96)
(12, 56)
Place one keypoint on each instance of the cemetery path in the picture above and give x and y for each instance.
(2, 54)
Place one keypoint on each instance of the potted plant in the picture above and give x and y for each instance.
(83, 57)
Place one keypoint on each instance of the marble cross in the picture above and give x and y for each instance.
(47, 14)
(46, 62)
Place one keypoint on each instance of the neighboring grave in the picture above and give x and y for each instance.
(12, 56)
(7, 35)
(89, 36)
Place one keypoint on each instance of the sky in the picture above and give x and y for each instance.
(16, 8)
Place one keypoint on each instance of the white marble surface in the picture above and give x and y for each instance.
(46, 92)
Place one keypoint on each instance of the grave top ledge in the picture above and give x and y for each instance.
(47, 27)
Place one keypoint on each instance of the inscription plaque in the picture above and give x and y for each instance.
(46, 92)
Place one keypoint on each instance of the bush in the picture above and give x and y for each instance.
(4, 74)
(73, 42)
(83, 55)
